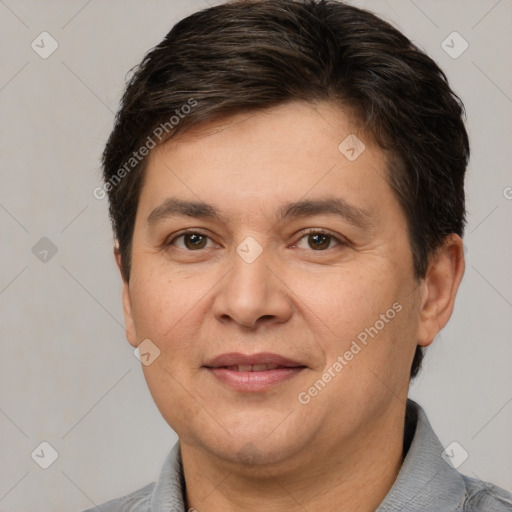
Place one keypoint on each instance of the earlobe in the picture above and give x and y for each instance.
(126, 300)
(439, 288)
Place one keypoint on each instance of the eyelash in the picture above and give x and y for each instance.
(310, 231)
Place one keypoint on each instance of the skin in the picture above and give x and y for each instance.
(344, 447)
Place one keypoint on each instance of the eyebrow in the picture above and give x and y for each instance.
(174, 207)
(329, 206)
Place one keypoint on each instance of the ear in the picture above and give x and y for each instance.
(439, 288)
(127, 301)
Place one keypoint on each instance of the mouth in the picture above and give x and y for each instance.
(252, 373)
(255, 367)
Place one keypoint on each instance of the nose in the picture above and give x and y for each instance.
(252, 294)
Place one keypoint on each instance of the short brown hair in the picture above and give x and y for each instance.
(246, 55)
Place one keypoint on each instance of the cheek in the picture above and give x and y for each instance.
(170, 307)
(366, 316)
(160, 298)
(346, 300)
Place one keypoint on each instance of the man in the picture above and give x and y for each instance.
(286, 190)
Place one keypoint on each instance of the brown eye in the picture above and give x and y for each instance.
(195, 241)
(191, 241)
(318, 241)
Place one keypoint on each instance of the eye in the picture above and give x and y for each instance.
(191, 241)
(318, 241)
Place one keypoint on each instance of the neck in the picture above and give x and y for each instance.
(354, 476)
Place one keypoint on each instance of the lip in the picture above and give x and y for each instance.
(237, 358)
(253, 381)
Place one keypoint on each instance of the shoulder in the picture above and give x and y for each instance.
(137, 501)
(485, 497)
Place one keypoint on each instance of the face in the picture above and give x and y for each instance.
(273, 272)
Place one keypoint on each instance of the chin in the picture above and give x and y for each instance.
(254, 447)
(255, 458)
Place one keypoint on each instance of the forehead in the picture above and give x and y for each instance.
(287, 153)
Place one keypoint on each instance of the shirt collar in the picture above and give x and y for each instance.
(425, 481)
(169, 492)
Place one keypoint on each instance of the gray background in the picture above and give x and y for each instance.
(68, 377)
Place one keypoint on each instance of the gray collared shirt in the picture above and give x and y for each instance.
(425, 483)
